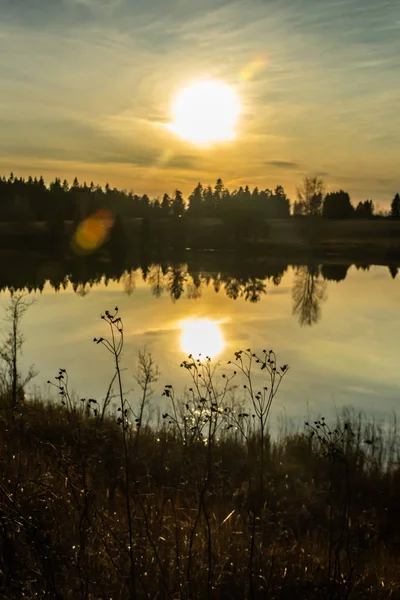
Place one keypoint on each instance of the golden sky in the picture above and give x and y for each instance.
(87, 88)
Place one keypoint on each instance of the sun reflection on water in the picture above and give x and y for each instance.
(201, 337)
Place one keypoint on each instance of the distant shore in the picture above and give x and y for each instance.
(376, 240)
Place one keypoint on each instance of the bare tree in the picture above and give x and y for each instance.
(147, 374)
(309, 291)
(310, 194)
(12, 380)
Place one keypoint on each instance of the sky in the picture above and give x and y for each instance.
(87, 88)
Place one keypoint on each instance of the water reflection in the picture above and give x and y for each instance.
(129, 282)
(187, 275)
(201, 337)
(309, 291)
(334, 272)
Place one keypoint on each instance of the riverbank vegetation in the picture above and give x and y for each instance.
(82, 219)
(188, 496)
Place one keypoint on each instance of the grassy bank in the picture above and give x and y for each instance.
(196, 502)
(320, 525)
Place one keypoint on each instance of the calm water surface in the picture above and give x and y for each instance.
(341, 339)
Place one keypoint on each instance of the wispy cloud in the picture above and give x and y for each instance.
(89, 80)
(283, 164)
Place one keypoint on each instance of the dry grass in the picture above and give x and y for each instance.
(64, 531)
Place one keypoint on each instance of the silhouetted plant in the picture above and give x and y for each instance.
(114, 345)
(147, 374)
(61, 385)
(335, 446)
(12, 381)
(260, 400)
(205, 413)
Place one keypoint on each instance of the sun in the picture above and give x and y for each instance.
(201, 337)
(206, 112)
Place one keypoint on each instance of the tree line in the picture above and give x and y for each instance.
(32, 200)
(313, 202)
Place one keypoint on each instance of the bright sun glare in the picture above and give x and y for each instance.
(201, 337)
(206, 112)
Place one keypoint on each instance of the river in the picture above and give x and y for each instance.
(336, 326)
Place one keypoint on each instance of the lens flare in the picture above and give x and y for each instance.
(252, 69)
(92, 232)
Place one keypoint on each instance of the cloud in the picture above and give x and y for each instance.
(90, 80)
(157, 333)
(283, 164)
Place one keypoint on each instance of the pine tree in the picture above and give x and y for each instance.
(395, 207)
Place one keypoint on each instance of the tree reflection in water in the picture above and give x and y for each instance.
(309, 291)
(129, 282)
(156, 280)
(176, 280)
(186, 275)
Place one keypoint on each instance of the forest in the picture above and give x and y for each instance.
(32, 200)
